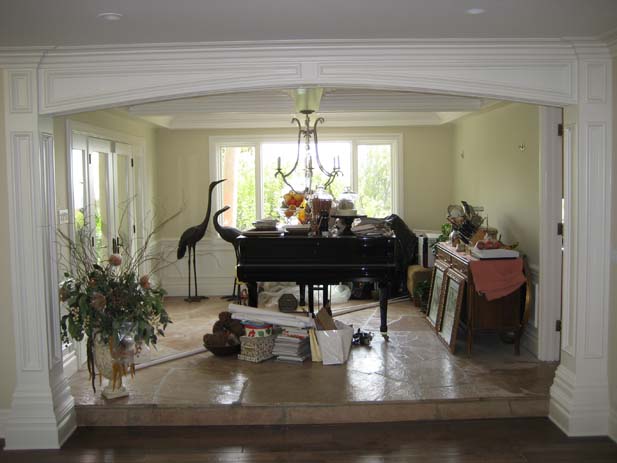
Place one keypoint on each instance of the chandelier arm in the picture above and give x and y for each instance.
(316, 143)
(293, 169)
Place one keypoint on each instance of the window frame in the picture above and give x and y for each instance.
(394, 139)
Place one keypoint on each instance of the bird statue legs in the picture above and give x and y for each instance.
(196, 297)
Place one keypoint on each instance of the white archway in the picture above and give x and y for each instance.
(62, 80)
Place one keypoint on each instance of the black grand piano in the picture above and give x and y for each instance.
(320, 261)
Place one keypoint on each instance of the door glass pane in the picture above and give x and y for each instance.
(375, 179)
(78, 188)
(238, 164)
(123, 203)
(100, 204)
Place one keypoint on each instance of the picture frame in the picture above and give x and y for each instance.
(454, 289)
(435, 302)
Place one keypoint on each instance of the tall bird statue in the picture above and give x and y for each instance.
(229, 234)
(189, 240)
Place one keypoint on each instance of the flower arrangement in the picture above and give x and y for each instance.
(110, 302)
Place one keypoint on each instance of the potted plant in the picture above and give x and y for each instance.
(111, 305)
(421, 293)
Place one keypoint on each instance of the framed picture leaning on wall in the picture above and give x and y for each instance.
(435, 302)
(447, 327)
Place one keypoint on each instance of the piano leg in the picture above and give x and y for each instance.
(311, 303)
(252, 287)
(302, 301)
(326, 299)
(384, 291)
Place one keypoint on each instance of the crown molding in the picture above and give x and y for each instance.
(22, 56)
(610, 38)
(221, 121)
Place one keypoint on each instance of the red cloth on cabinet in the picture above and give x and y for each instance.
(497, 278)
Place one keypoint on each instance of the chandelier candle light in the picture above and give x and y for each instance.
(307, 102)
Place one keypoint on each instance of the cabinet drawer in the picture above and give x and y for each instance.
(444, 256)
(460, 266)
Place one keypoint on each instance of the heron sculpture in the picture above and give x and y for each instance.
(189, 240)
(229, 234)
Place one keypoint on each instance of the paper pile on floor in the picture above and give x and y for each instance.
(243, 312)
(292, 345)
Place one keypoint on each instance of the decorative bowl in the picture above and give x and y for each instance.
(224, 350)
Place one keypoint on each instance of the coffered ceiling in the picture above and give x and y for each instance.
(340, 107)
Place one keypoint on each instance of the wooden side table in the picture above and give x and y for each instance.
(507, 315)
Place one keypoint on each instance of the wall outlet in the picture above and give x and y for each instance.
(63, 216)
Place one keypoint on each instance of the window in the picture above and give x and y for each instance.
(370, 166)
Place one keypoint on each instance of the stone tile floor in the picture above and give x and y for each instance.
(413, 366)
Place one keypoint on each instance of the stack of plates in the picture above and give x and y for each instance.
(300, 229)
(265, 224)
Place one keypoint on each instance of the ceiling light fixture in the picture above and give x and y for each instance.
(307, 102)
(475, 11)
(109, 16)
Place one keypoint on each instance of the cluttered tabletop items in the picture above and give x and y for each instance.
(319, 214)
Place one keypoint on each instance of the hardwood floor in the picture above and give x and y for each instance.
(503, 441)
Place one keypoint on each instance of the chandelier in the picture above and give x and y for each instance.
(307, 102)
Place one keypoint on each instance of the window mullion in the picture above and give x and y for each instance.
(259, 185)
(354, 166)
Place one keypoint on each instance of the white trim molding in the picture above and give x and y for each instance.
(548, 298)
(71, 78)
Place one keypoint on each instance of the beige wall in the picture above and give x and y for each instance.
(491, 171)
(183, 176)
(7, 343)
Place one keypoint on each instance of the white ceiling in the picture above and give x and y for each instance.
(340, 108)
(75, 22)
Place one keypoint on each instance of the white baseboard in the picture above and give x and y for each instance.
(70, 364)
(578, 410)
(4, 416)
(612, 424)
(212, 286)
(529, 341)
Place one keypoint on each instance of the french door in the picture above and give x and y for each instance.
(104, 194)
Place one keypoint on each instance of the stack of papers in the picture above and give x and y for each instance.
(371, 227)
(292, 345)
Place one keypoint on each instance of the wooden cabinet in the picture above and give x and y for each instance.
(507, 315)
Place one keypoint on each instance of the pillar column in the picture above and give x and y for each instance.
(580, 394)
(42, 412)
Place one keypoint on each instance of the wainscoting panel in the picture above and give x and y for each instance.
(215, 262)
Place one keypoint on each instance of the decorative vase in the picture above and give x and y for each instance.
(113, 361)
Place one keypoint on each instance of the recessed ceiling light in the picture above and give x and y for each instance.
(109, 16)
(475, 11)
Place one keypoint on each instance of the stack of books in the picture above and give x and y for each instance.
(292, 345)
